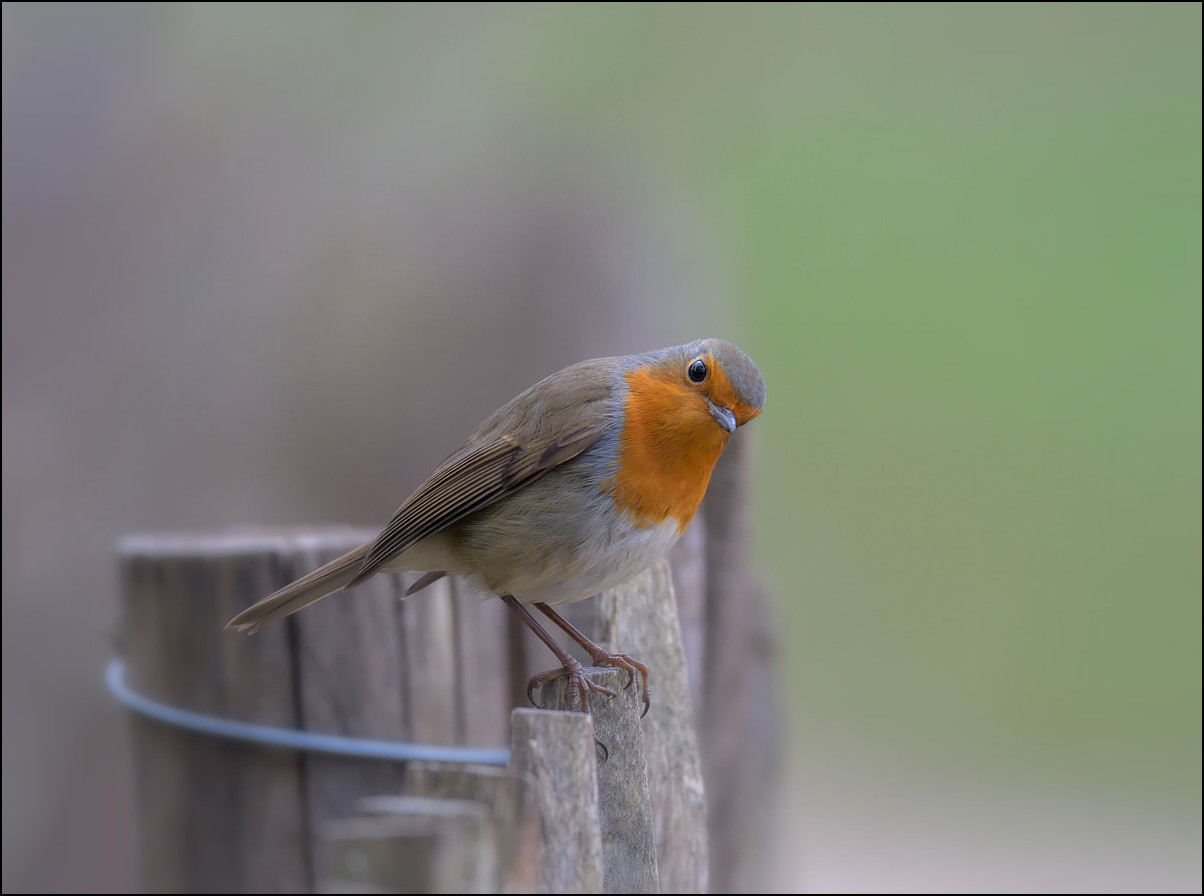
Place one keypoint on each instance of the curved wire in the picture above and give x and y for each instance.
(291, 738)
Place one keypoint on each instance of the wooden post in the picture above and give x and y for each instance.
(554, 753)
(740, 723)
(429, 637)
(510, 807)
(411, 845)
(220, 815)
(624, 804)
(215, 815)
(641, 616)
(348, 663)
(483, 661)
(688, 560)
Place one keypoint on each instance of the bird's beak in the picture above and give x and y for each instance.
(723, 416)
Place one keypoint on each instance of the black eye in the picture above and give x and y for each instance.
(697, 371)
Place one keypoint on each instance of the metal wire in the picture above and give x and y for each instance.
(290, 738)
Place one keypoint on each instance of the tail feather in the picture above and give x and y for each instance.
(301, 593)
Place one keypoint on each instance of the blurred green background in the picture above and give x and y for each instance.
(962, 241)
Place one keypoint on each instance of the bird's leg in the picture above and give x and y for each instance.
(603, 657)
(579, 685)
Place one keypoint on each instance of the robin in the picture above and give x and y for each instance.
(568, 489)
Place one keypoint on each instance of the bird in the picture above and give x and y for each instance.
(570, 488)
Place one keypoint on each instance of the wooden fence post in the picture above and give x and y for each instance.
(554, 753)
(348, 661)
(624, 805)
(411, 845)
(640, 618)
(688, 560)
(741, 721)
(219, 815)
(511, 808)
(215, 816)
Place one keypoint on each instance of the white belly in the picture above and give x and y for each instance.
(590, 572)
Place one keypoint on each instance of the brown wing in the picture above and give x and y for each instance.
(472, 478)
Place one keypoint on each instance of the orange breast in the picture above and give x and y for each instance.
(667, 450)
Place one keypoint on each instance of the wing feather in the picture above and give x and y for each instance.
(472, 478)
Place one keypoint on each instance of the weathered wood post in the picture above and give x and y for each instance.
(553, 754)
(220, 815)
(624, 805)
(510, 802)
(601, 824)
(640, 618)
(405, 844)
(741, 723)
(214, 815)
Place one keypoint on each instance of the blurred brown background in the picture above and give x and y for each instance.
(268, 264)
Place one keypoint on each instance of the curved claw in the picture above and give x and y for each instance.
(579, 686)
(632, 667)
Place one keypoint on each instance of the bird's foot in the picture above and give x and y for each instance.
(579, 687)
(632, 666)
